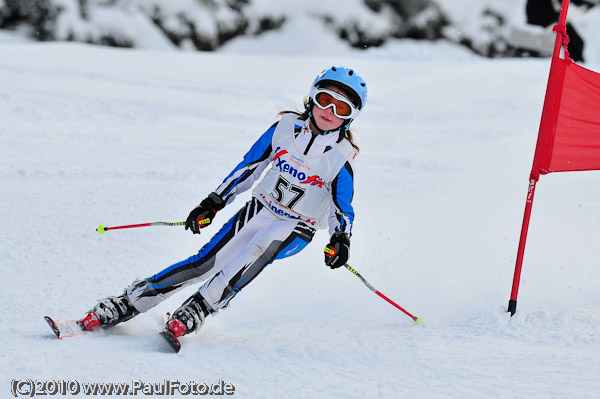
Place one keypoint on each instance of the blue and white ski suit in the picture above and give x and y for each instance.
(309, 186)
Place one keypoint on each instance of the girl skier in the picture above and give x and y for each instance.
(309, 185)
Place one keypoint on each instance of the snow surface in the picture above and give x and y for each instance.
(93, 135)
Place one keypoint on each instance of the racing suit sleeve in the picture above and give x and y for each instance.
(246, 172)
(341, 215)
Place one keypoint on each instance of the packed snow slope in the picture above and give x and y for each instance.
(94, 136)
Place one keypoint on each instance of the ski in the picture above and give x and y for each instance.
(65, 328)
(171, 340)
(71, 328)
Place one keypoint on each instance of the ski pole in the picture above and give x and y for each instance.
(357, 274)
(102, 229)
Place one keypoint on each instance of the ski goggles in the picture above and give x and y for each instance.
(342, 107)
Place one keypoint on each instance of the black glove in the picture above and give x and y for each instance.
(338, 250)
(203, 215)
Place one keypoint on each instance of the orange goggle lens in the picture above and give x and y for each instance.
(342, 108)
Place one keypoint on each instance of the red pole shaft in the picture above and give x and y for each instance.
(512, 304)
(533, 178)
(396, 305)
(562, 19)
(365, 282)
(130, 226)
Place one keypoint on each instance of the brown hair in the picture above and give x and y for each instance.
(304, 116)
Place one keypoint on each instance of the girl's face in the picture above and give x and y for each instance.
(325, 118)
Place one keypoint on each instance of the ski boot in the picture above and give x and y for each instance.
(108, 312)
(187, 319)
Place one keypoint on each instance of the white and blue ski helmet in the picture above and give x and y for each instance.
(347, 79)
